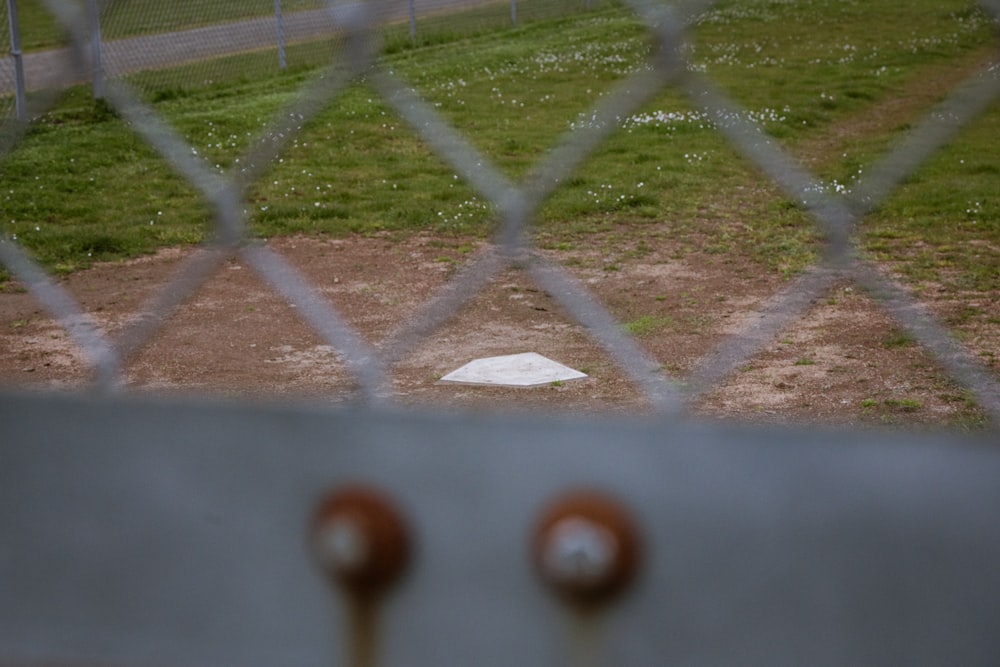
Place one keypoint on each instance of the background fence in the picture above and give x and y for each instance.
(141, 531)
(125, 38)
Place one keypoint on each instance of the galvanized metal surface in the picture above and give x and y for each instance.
(139, 533)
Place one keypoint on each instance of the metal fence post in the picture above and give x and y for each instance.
(513, 12)
(413, 22)
(281, 34)
(15, 52)
(95, 49)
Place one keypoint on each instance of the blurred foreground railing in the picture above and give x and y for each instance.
(139, 533)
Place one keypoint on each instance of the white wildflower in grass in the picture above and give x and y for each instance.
(471, 211)
(702, 119)
(973, 211)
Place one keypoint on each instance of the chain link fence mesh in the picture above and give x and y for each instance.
(8, 79)
(130, 33)
(138, 40)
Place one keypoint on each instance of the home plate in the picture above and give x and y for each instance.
(528, 369)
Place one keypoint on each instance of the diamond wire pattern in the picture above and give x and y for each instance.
(836, 215)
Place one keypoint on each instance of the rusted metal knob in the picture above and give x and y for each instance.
(359, 537)
(586, 548)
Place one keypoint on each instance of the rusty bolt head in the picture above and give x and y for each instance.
(586, 548)
(579, 550)
(360, 539)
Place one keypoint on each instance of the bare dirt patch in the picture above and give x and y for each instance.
(845, 362)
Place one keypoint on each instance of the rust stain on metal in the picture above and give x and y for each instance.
(364, 631)
(359, 538)
(586, 548)
(585, 637)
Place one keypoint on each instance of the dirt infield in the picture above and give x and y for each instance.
(844, 363)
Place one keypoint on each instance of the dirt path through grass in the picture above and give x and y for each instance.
(895, 112)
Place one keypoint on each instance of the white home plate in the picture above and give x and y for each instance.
(513, 370)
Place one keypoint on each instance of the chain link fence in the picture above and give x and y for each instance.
(806, 542)
(136, 41)
(5, 49)
(517, 204)
(9, 67)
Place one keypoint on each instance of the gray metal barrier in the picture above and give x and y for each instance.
(138, 532)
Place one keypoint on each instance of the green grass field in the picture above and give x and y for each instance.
(835, 82)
